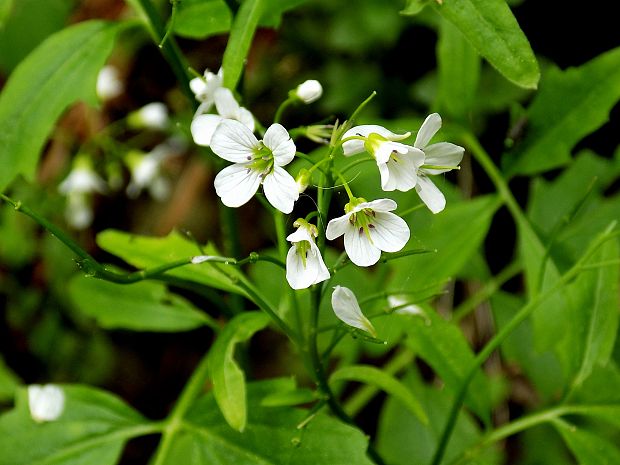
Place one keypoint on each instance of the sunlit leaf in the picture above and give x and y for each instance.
(570, 105)
(142, 306)
(228, 378)
(58, 72)
(93, 428)
(199, 19)
(493, 31)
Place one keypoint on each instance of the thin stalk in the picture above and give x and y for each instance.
(283, 106)
(494, 343)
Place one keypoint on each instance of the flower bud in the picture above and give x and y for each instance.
(46, 402)
(109, 84)
(320, 133)
(303, 180)
(151, 116)
(309, 91)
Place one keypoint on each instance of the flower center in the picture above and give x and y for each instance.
(262, 160)
(363, 221)
(373, 142)
(303, 249)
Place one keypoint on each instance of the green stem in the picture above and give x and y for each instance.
(488, 290)
(174, 422)
(169, 48)
(283, 106)
(494, 343)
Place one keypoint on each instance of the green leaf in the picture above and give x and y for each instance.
(471, 219)
(271, 436)
(274, 9)
(93, 428)
(413, 7)
(60, 71)
(588, 448)
(402, 439)
(374, 376)
(199, 19)
(5, 11)
(228, 379)
(570, 105)
(595, 294)
(147, 252)
(9, 382)
(458, 72)
(442, 345)
(494, 32)
(142, 306)
(243, 29)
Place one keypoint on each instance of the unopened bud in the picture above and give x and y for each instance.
(303, 180)
(309, 91)
(151, 116)
(320, 133)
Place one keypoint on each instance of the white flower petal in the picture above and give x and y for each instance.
(298, 275)
(443, 154)
(337, 227)
(46, 403)
(300, 234)
(390, 232)
(430, 194)
(309, 91)
(281, 189)
(348, 310)
(359, 248)
(400, 172)
(245, 117)
(203, 127)
(278, 140)
(225, 103)
(82, 180)
(198, 86)
(357, 146)
(234, 142)
(429, 128)
(236, 184)
(379, 205)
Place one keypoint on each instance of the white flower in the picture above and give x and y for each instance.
(146, 173)
(151, 116)
(82, 179)
(348, 310)
(46, 402)
(304, 264)
(203, 126)
(401, 306)
(369, 228)
(398, 163)
(309, 91)
(109, 84)
(439, 158)
(255, 163)
(79, 211)
(204, 88)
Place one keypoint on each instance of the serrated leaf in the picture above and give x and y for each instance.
(442, 345)
(589, 448)
(458, 66)
(493, 31)
(147, 252)
(141, 306)
(570, 105)
(199, 19)
(228, 378)
(271, 436)
(92, 428)
(58, 72)
(376, 377)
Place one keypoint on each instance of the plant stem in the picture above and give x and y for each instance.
(283, 106)
(494, 343)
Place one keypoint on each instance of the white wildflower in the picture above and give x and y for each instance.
(304, 264)
(46, 403)
(348, 310)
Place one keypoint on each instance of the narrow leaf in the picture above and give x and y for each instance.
(148, 252)
(243, 29)
(570, 105)
(589, 448)
(60, 71)
(494, 32)
(142, 306)
(374, 376)
(228, 378)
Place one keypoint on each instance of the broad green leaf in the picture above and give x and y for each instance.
(456, 233)
(402, 439)
(458, 72)
(271, 436)
(494, 32)
(148, 252)
(570, 105)
(243, 29)
(589, 448)
(199, 19)
(374, 376)
(40, 18)
(141, 306)
(58, 72)
(9, 382)
(595, 293)
(92, 429)
(442, 345)
(228, 379)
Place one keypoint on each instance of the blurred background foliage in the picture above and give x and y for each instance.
(352, 48)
